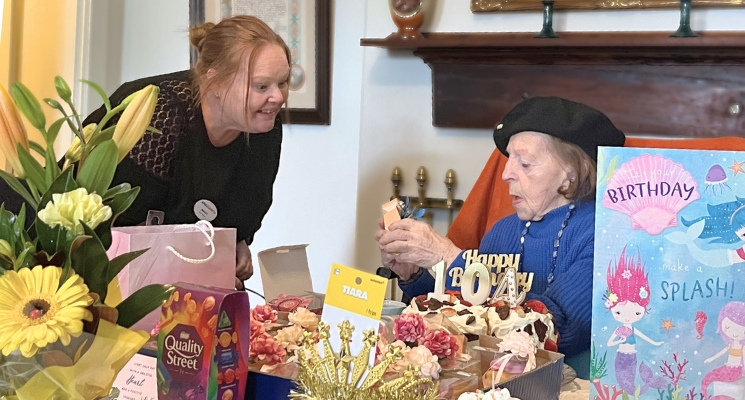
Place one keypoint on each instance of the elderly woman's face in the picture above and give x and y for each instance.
(534, 174)
(268, 90)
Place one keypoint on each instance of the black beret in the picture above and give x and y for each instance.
(572, 122)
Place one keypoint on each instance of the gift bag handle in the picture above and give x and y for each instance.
(495, 378)
(207, 230)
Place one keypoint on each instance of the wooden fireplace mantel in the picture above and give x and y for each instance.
(646, 82)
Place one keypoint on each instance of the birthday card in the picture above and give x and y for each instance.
(668, 310)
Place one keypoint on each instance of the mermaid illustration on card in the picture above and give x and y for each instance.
(724, 225)
(727, 380)
(627, 298)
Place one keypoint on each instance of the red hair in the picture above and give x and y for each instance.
(628, 282)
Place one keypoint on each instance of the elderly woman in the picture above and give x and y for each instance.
(552, 148)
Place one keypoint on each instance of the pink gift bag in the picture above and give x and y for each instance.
(195, 253)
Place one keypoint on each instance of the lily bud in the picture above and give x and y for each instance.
(135, 119)
(29, 106)
(6, 250)
(12, 132)
(63, 89)
(75, 149)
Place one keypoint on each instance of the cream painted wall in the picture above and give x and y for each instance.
(47, 49)
(396, 125)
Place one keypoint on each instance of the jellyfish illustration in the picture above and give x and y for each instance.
(716, 178)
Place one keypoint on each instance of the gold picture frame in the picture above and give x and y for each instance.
(534, 5)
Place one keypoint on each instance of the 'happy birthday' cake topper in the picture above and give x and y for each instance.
(479, 284)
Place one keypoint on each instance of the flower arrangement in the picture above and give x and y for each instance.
(427, 345)
(273, 347)
(57, 337)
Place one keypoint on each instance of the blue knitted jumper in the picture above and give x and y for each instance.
(569, 297)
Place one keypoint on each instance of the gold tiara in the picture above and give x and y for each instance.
(345, 377)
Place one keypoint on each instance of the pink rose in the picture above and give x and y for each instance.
(409, 328)
(517, 343)
(265, 348)
(292, 334)
(441, 343)
(264, 313)
(423, 359)
(306, 319)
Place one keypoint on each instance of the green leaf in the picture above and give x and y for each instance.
(63, 89)
(101, 93)
(55, 127)
(52, 170)
(89, 261)
(142, 302)
(19, 228)
(17, 187)
(37, 148)
(33, 170)
(7, 219)
(102, 136)
(121, 201)
(29, 106)
(98, 170)
(122, 187)
(24, 259)
(118, 263)
(153, 130)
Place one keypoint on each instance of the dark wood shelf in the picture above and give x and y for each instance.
(574, 47)
(646, 82)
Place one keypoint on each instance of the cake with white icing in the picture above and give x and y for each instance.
(496, 320)
(538, 322)
(494, 394)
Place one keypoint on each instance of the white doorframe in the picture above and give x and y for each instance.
(82, 55)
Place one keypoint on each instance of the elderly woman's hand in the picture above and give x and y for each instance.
(412, 242)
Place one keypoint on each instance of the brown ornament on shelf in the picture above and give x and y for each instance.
(408, 15)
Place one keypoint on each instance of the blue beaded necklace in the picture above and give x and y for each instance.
(555, 254)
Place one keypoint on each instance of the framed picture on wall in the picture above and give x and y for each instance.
(305, 26)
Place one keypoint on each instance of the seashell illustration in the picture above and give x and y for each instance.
(623, 332)
(650, 190)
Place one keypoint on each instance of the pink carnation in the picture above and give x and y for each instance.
(441, 343)
(265, 348)
(257, 328)
(409, 328)
(264, 313)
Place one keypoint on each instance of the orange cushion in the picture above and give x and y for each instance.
(489, 200)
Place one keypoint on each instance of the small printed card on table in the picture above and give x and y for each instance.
(137, 381)
(356, 296)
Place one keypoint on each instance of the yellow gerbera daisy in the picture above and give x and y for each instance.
(35, 311)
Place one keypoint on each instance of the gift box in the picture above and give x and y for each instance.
(203, 344)
(541, 383)
(285, 277)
